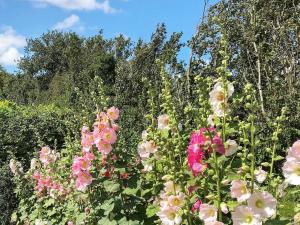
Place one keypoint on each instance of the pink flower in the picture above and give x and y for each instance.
(104, 147)
(80, 164)
(44, 155)
(89, 156)
(196, 206)
(219, 143)
(113, 113)
(36, 175)
(108, 135)
(83, 180)
(87, 139)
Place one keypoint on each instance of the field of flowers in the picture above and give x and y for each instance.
(204, 171)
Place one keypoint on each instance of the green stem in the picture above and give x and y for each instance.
(218, 178)
(253, 154)
(274, 152)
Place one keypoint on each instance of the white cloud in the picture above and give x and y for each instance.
(10, 44)
(67, 23)
(78, 5)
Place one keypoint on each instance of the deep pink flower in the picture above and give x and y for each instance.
(196, 205)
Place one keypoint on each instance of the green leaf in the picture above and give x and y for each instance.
(130, 191)
(111, 186)
(151, 210)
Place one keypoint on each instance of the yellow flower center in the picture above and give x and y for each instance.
(220, 96)
(248, 219)
(297, 171)
(259, 204)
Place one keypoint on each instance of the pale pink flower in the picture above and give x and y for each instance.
(113, 113)
(89, 156)
(36, 175)
(169, 216)
(171, 187)
(231, 148)
(214, 223)
(148, 166)
(115, 127)
(80, 164)
(143, 151)
(176, 201)
(45, 155)
(244, 215)
(260, 175)
(108, 135)
(150, 146)
(87, 139)
(294, 151)
(297, 219)
(83, 180)
(239, 190)
(263, 204)
(291, 172)
(104, 147)
(224, 208)
(70, 223)
(208, 213)
(163, 122)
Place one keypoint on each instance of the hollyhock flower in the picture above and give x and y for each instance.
(104, 147)
(210, 120)
(169, 216)
(294, 152)
(244, 215)
(45, 155)
(108, 135)
(196, 206)
(70, 223)
(148, 166)
(115, 127)
(87, 139)
(260, 175)
(103, 117)
(231, 148)
(150, 146)
(113, 113)
(13, 166)
(163, 122)
(291, 172)
(33, 163)
(297, 219)
(263, 204)
(214, 223)
(171, 187)
(208, 213)
(239, 190)
(36, 175)
(89, 156)
(224, 208)
(218, 142)
(80, 164)
(83, 180)
(176, 201)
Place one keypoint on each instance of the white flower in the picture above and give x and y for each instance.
(13, 166)
(33, 163)
(148, 166)
(163, 122)
(169, 216)
(260, 175)
(171, 187)
(239, 190)
(208, 213)
(244, 215)
(210, 120)
(291, 172)
(41, 222)
(218, 99)
(263, 204)
(232, 147)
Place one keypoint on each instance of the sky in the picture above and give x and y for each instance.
(23, 19)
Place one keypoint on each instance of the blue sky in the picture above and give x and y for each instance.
(21, 19)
